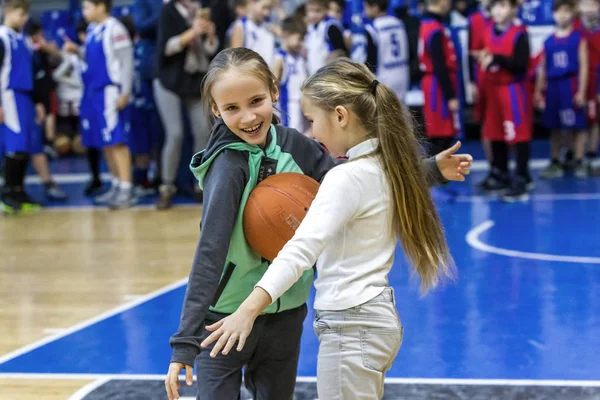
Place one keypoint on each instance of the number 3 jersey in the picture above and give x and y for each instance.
(389, 36)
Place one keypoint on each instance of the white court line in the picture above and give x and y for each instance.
(137, 207)
(92, 321)
(50, 331)
(311, 379)
(87, 389)
(534, 197)
(473, 240)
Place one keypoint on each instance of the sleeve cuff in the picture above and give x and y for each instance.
(433, 175)
(185, 354)
(269, 289)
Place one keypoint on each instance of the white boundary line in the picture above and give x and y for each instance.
(473, 240)
(311, 379)
(534, 197)
(92, 321)
(87, 389)
(137, 207)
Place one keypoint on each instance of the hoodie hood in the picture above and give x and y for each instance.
(220, 138)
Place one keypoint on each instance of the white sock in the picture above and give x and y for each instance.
(115, 183)
(125, 187)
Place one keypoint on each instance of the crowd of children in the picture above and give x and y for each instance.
(511, 84)
(102, 75)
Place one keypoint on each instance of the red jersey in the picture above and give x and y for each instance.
(428, 27)
(479, 23)
(502, 44)
(592, 37)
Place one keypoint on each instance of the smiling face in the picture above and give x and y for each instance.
(245, 103)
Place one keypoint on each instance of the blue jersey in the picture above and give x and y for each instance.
(17, 65)
(294, 74)
(101, 44)
(562, 55)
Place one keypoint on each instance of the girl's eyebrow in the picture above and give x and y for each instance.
(249, 98)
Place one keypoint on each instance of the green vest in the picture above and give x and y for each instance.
(243, 267)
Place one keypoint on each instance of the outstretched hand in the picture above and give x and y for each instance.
(453, 166)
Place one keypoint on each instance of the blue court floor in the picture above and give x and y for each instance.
(525, 306)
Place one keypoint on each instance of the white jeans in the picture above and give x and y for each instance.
(357, 347)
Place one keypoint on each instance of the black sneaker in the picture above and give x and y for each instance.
(517, 192)
(569, 161)
(495, 184)
(9, 203)
(94, 188)
(28, 206)
(554, 170)
(483, 183)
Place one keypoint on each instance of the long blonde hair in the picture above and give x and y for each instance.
(415, 220)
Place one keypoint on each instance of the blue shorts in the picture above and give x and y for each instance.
(561, 111)
(20, 133)
(111, 125)
(90, 138)
(145, 130)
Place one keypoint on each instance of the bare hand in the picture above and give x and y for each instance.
(172, 381)
(122, 102)
(1, 116)
(40, 113)
(539, 101)
(200, 26)
(453, 166)
(474, 92)
(70, 47)
(486, 61)
(580, 99)
(453, 105)
(228, 331)
(211, 29)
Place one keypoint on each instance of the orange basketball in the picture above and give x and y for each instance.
(275, 209)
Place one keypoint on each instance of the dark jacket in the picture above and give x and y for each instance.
(170, 70)
(145, 18)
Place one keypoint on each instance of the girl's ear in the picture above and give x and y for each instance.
(275, 93)
(342, 115)
(215, 110)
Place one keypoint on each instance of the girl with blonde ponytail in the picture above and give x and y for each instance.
(362, 209)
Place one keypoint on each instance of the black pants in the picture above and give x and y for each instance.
(269, 358)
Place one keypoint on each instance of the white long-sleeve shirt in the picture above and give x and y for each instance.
(348, 228)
